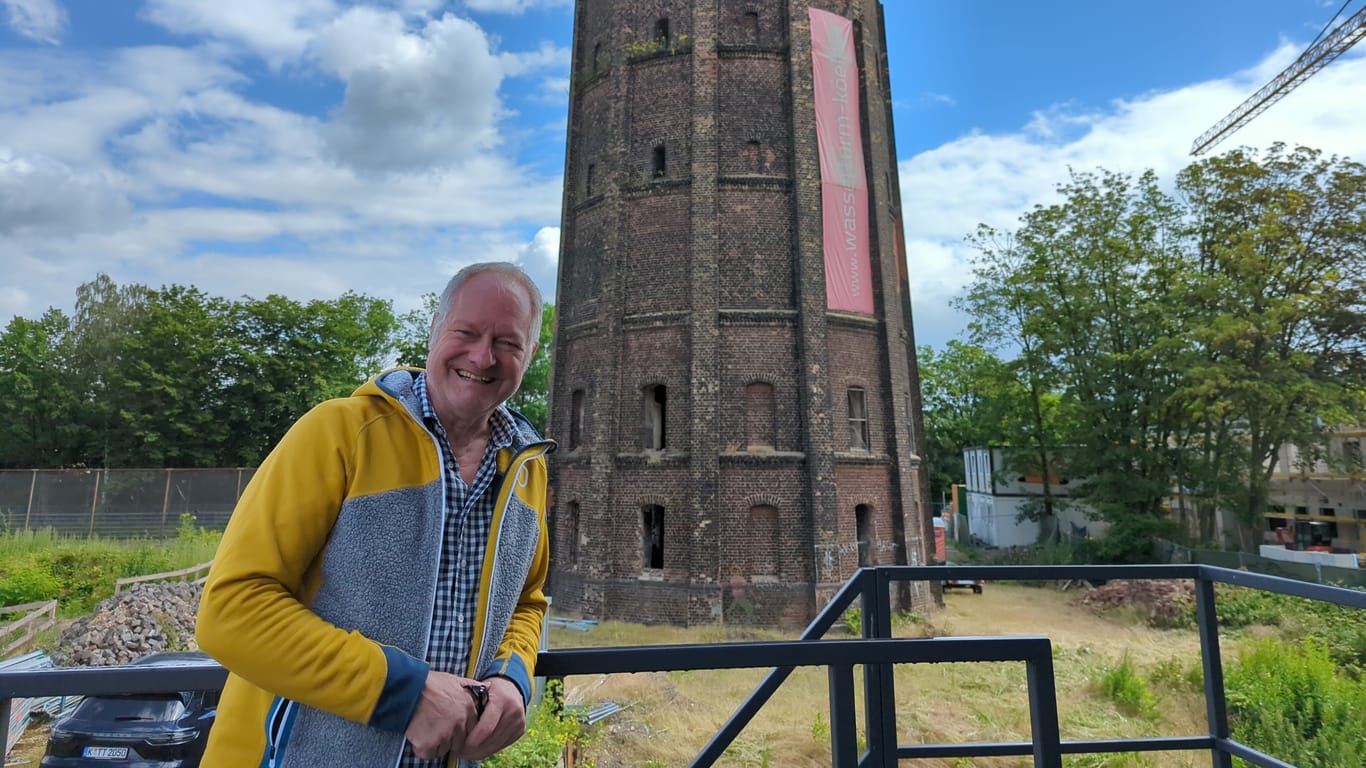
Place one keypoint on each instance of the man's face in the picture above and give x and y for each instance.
(480, 351)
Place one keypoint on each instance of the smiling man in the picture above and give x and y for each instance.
(377, 596)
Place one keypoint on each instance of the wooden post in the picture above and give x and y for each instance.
(166, 501)
(32, 485)
(94, 499)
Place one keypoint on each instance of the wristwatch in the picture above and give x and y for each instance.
(480, 694)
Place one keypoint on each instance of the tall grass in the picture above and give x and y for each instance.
(80, 571)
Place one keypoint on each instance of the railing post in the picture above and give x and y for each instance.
(1216, 709)
(879, 691)
(843, 722)
(6, 711)
(1043, 712)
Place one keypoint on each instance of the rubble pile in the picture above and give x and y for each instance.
(1164, 603)
(150, 616)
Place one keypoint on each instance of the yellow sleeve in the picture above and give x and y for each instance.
(253, 616)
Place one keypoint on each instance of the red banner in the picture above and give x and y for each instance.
(844, 184)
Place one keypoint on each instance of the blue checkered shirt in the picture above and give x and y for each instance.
(469, 513)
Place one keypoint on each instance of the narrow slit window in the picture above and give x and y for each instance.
(752, 26)
(662, 29)
(659, 162)
(863, 530)
(656, 409)
(652, 539)
(858, 420)
(572, 534)
(588, 179)
(576, 419)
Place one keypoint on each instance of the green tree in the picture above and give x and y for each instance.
(1278, 273)
(168, 387)
(37, 411)
(968, 395)
(532, 398)
(285, 357)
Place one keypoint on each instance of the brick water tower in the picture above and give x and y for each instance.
(734, 384)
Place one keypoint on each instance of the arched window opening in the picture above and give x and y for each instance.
(759, 420)
(763, 536)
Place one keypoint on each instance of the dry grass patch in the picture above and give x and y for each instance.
(668, 717)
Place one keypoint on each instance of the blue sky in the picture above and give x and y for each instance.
(309, 147)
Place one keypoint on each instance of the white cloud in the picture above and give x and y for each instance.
(414, 101)
(993, 179)
(40, 195)
(514, 6)
(277, 30)
(543, 250)
(40, 20)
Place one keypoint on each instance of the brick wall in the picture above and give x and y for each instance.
(692, 259)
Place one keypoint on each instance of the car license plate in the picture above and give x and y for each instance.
(105, 753)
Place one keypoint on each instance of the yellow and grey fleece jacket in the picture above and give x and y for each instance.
(320, 598)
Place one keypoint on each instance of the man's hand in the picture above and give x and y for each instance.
(443, 717)
(503, 722)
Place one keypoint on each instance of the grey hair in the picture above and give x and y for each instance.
(504, 268)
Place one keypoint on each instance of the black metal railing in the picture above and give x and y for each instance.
(877, 653)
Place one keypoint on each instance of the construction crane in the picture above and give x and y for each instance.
(1314, 58)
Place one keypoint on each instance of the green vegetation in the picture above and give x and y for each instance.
(549, 729)
(79, 572)
(1133, 341)
(1290, 701)
(1122, 684)
(173, 377)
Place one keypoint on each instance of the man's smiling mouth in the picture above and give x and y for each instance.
(467, 376)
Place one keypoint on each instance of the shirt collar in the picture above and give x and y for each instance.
(501, 426)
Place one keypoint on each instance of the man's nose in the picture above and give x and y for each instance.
(481, 353)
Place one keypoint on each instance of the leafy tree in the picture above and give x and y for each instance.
(533, 397)
(1278, 273)
(968, 394)
(37, 411)
(168, 385)
(1173, 345)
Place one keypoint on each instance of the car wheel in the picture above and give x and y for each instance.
(976, 589)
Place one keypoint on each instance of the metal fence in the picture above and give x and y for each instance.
(119, 503)
(876, 653)
(1246, 561)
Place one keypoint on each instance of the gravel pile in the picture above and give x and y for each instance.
(151, 616)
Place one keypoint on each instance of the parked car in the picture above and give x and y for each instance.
(974, 584)
(136, 730)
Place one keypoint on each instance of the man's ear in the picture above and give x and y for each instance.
(535, 347)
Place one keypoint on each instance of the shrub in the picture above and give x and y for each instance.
(28, 581)
(1288, 701)
(1122, 684)
(547, 733)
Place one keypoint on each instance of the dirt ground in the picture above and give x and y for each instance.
(668, 716)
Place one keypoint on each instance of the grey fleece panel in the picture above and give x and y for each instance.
(379, 578)
(515, 548)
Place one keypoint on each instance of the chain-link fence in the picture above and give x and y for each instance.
(120, 503)
(1323, 574)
